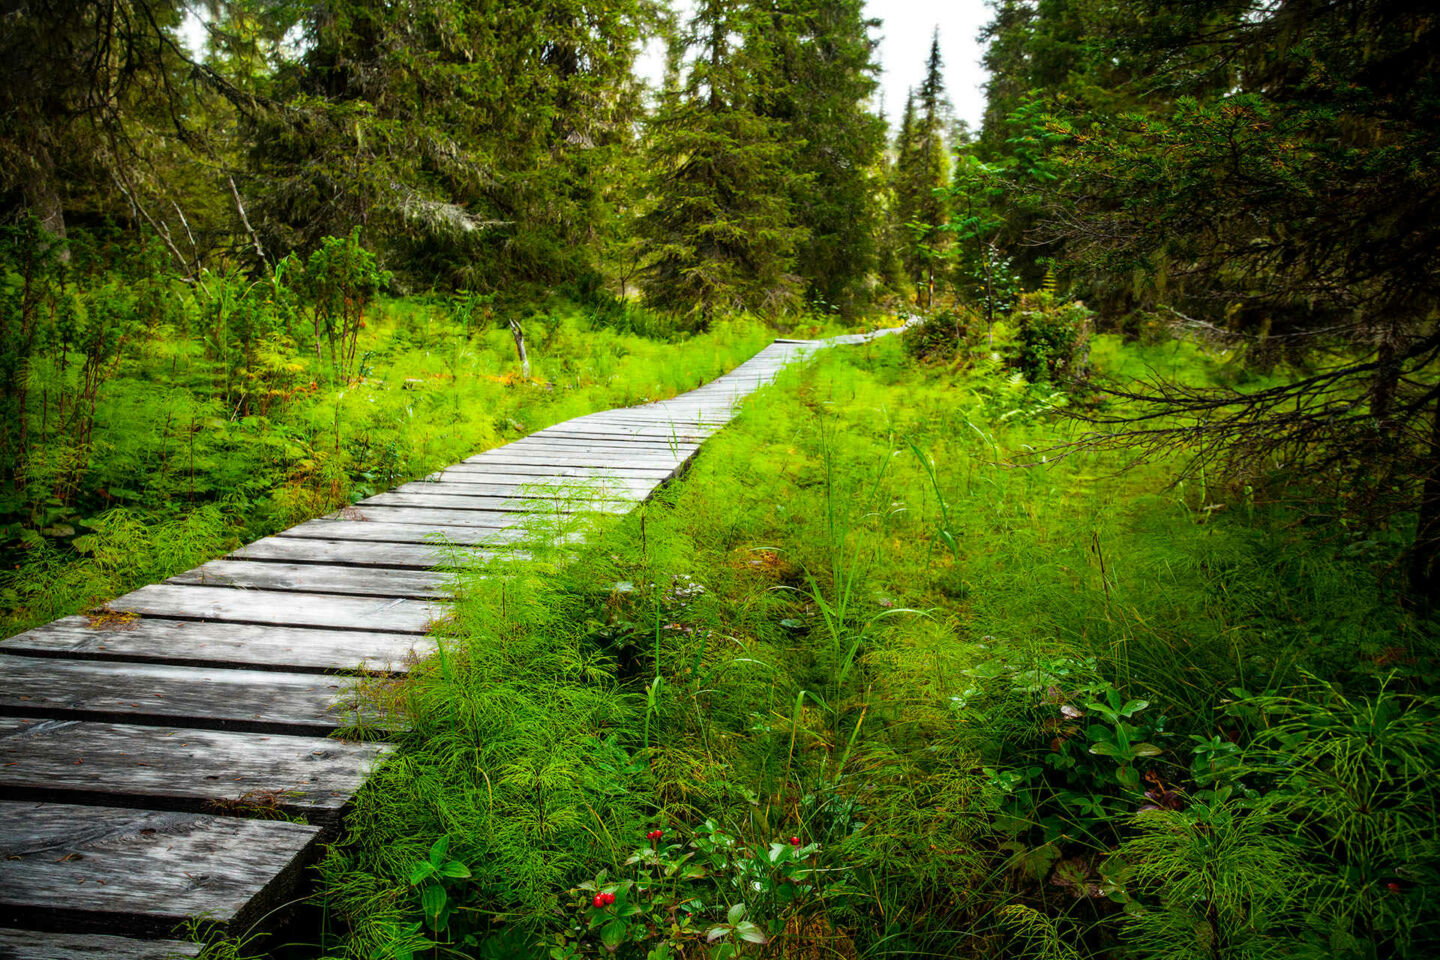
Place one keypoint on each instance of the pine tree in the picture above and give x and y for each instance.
(718, 228)
(826, 81)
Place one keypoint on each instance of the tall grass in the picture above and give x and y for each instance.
(1059, 711)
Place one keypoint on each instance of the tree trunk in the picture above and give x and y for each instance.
(519, 335)
(43, 200)
(1424, 560)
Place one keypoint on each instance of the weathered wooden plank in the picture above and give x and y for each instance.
(612, 444)
(169, 768)
(672, 434)
(670, 430)
(654, 461)
(200, 642)
(514, 504)
(434, 517)
(142, 872)
(564, 485)
(607, 450)
(676, 418)
(360, 553)
(177, 601)
(38, 945)
(622, 457)
(599, 432)
(318, 578)
(494, 470)
(545, 488)
(379, 531)
(252, 700)
(621, 431)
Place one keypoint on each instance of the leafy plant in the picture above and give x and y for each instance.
(434, 878)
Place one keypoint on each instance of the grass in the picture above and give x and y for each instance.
(1058, 711)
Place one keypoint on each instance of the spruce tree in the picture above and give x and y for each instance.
(826, 81)
(921, 168)
(473, 139)
(718, 227)
(900, 200)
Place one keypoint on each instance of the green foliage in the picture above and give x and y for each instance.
(1015, 703)
(340, 279)
(478, 143)
(1251, 169)
(1052, 338)
(1227, 881)
(940, 335)
(919, 176)
(825, 80)
(717, 223)
(156, 423)
(983, 275)
(670, 897)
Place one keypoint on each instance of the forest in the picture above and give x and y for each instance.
(1092, 616)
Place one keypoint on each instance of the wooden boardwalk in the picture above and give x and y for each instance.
(137, 744)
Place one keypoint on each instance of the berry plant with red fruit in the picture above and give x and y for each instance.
(709, 893)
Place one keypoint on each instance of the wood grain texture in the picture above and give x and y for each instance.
(614, 431)
(516, 504)
(599, 444)
(251, 700)
(437, 517)
(141, 872)
(359, 553)
(559, 488)
(167, 768)
(564, 484)
(178, 601)
(318, 578)
(493, 470)
(38, 945)
(213, 643)
(643, 461)
(375, 531)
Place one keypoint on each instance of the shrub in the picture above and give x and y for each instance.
(941, 335)
(1053, 337)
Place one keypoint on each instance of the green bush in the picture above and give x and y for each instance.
(1052, 337)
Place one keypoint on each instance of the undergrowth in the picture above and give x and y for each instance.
(858, 687)
(182, 448)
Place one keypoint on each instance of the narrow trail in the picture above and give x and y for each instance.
(138, 743)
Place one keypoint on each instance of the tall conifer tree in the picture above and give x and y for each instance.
(471, 138)
(921, 168)
(719, 229)
(826, 82)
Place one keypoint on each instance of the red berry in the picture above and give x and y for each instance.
(1393, 887)
(599, 900)
(794, 841)
(609, 899)
(659, 834)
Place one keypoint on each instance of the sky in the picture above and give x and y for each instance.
(904, 38)
(904, 44)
